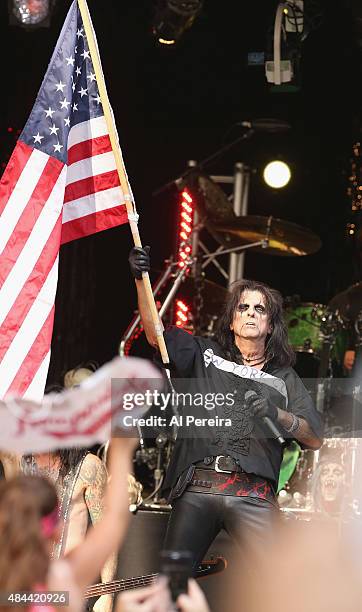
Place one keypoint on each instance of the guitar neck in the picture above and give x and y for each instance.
(116, 586)
(206, 568)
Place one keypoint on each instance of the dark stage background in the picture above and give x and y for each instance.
(175, 104)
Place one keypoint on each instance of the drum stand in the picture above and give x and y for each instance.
(330, 324)
(324, 375)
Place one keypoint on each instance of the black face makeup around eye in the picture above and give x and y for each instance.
(259, 308)
(242, 307)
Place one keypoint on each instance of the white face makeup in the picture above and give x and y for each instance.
(332, 480)
(251, 320)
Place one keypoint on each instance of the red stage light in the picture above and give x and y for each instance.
(187, 217)
(186, 227)
(182, 313)
(184, 250)
(186, 207)
(186, 195)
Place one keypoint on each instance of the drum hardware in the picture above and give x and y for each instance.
(330, 324)
(317, 334)
(156, 459)
(161, 441)
(260, 243)
(147, 456)
(321, 396)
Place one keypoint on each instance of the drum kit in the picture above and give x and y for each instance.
(318, 333)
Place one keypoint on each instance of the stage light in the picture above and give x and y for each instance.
(30, 13)
(277, 174)
(186, 216)
(182, 313)
(173, 17)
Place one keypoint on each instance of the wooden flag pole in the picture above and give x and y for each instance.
(108, 114)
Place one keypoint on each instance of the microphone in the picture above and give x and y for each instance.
(267, 420)
(266, 125)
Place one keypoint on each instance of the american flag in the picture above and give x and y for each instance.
(60, 184)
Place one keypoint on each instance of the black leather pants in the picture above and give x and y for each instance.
(197, 518)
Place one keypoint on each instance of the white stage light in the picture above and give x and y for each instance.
(277, 174)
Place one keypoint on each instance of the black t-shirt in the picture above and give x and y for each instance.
(227, 428)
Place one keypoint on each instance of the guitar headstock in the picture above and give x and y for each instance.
(211, 566)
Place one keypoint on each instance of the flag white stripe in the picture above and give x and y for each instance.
(87, 130)
(21, 194)
(95, 202)
(29, 330)
(35, 390)
(32, 248)
(91, 166)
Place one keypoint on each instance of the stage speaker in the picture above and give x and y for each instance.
(140, 552)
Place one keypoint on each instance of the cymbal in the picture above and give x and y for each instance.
(214, 204)
(348, 303)
(214, 296)
(284, 237)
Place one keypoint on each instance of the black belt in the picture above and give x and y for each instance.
(237, 484)
(220, 463)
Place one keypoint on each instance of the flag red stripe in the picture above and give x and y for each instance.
(96, 222)
(30, 289)
(13, 170)
(90, 185)
(88, 148)
(34, 358)
(29, 216)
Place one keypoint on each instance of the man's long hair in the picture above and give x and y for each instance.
(69, 459)
(277, 348)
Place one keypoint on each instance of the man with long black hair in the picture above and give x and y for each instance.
(225, 473)
(80, 479)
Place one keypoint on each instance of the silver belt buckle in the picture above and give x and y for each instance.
(217, 469)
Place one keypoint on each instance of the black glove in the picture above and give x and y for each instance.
(259, 407)
(139, 261)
